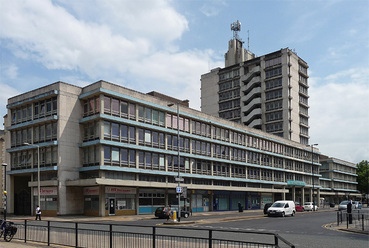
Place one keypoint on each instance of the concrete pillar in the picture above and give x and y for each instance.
(102, 200)
(284, 193)
(302, 196)
(294, 193)
(318, 197)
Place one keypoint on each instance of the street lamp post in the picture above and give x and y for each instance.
(38, 172)
(5, 192)
(179, 162)
(312, 171)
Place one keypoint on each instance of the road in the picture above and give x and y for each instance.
(303, 230)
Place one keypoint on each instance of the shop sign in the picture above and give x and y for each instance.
(46, 191)
(119, 190)
(91, 191)
(297, 183)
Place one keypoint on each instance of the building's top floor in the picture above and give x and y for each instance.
(326, 159)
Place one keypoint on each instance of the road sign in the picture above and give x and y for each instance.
(179, 190)
(179, 179)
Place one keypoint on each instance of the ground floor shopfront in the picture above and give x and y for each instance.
(115, 200)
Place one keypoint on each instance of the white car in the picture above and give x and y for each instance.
(308, 206)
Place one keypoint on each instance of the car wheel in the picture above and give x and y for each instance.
(293, 213)
(186, 215)
(282, 214)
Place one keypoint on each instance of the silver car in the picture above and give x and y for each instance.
(343, 205)
(308, 206)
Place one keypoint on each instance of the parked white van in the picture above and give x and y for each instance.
(282, 208)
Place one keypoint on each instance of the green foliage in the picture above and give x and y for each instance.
(363, 176)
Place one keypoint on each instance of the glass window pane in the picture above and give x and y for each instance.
(147, 136)
(115, 155)
(107, 104)
(140, 113)
(124, 108)
(147, 115)
(123, 132)
(124, 156)
(155, 117)
(107, 155)
(161, 118)
(132, 111)
(107, 133)
(115, 131)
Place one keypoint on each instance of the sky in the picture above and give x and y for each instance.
(166, 45)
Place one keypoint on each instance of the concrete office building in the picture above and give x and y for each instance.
(108, 150)
(338, 180)
(268, 92)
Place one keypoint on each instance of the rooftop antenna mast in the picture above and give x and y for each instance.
(236, 27)
(248, 40)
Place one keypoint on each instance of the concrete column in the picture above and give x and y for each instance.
(294, 193)
(302, 196)
(102, 200)
(284, 193)
(318, 196)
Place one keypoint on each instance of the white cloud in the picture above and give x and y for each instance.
(5, 93)
(9, 71)
(212, 8)
(340, 114)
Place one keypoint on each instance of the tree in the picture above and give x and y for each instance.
(363, 176)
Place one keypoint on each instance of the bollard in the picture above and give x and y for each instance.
(174, 216)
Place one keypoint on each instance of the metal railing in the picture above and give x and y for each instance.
(102, 235)
(357, 219)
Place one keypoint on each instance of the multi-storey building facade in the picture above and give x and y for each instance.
(268, 92)
(338, 180)
(108, 150)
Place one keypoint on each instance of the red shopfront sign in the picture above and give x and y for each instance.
(91, 191)
(119, 190)
(45, 191)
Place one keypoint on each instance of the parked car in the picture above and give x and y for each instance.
(343, 205)
(266, 206)
(309, 206)
(282, 208)
(298, 207)
(356, 205)
(162, 212)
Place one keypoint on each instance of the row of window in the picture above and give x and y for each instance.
(273, 62)
(204, 129)
(273, 73)
(278, 115)
(34, 135)
(115, 156)
(229, 84)
(28, 159)
(273, 83)
(34, 111)
(273, 94)
(230, 114)
(229, 94)
(229, 104)
(274, 105)
(230, 74)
